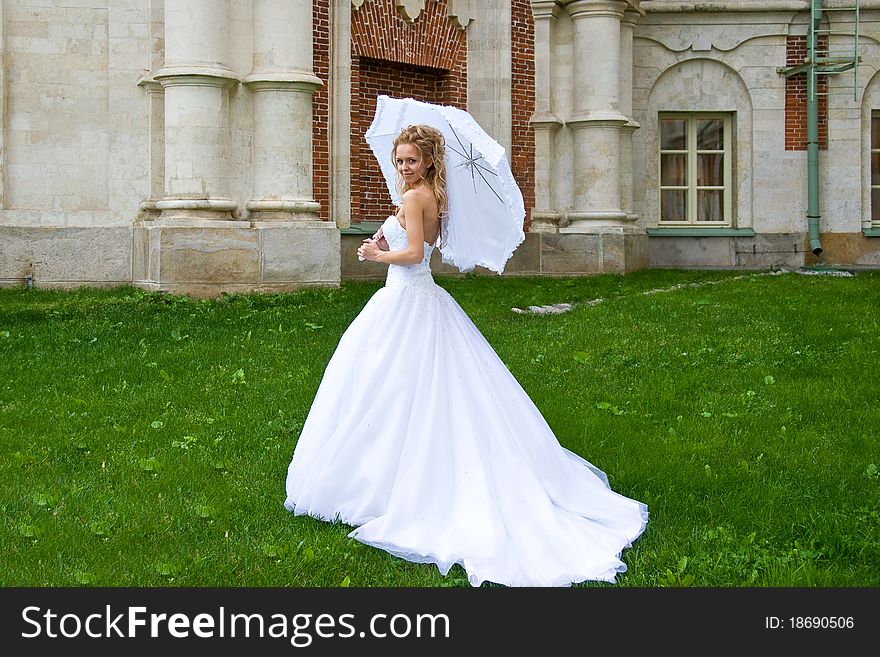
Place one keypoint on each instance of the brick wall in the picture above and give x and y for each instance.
(523, 101)
(796, 98)
(381, 77)
(426, 60)
(321, 106)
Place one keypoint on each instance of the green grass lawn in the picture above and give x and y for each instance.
(146, 437)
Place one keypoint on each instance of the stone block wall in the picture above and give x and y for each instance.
(727, 58)
(75, 132)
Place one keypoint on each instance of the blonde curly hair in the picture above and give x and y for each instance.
(431, 145)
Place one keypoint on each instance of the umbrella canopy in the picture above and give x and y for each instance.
(485, 211)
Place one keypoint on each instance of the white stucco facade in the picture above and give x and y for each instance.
(168, 143)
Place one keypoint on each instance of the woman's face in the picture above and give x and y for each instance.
(410, 163)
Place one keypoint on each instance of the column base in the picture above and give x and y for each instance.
(590, 248)
(274, 211)
(207, 258)
(212, 209)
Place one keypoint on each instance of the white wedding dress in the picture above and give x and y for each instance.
(421, 438)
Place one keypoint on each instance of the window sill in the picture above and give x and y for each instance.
(685, 231)
(361, 228)
(871, 232)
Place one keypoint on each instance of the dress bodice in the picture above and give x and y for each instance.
(418, 274)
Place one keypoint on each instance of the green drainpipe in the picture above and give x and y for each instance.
(813, 133)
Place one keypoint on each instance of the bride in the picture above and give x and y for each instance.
(421, 439)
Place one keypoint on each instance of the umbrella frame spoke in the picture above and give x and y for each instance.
(472, 163)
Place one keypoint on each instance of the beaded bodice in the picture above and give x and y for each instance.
(417, 274)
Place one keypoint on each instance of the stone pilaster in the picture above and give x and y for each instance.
(545, 122)
(283, 83)
(627, 25)
(156, 100)
(489, 70)
(196, 82)
(3, 106)
(339, 87)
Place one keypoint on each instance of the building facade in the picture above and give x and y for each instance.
(203, 146)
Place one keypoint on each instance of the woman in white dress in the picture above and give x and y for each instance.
(421, 439)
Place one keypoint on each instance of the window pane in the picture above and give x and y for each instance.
(710, 205)
(875, 204)
(673, 135)
(673, 169)
(710, 169)
(673, 205)
(875, 168)
(875, 132)
(710, 135)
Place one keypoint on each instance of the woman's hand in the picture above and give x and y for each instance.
(369, 250)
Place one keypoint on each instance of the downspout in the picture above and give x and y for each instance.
(813, 132)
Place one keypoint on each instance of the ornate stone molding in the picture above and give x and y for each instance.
(458, 10)
(409, 10)
(688, 6)
(703, 38)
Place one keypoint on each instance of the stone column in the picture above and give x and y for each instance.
(627, 25)
(596, 119)
(544, 121)
(196, 82)
(283, 83)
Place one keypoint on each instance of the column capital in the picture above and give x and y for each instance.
(150, 83)
(195, 75)
(598, 119)
(283, 80)
(545, 121)
(590, 8)
(631, 16)
(546, 9)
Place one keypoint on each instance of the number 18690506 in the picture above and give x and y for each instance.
(809, 622)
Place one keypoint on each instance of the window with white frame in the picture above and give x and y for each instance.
(696, 161)
(875, 168)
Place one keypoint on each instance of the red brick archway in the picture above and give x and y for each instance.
(425, 59)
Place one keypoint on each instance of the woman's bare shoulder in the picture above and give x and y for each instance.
(420, 195)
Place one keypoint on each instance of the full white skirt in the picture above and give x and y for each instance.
(421, 439)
